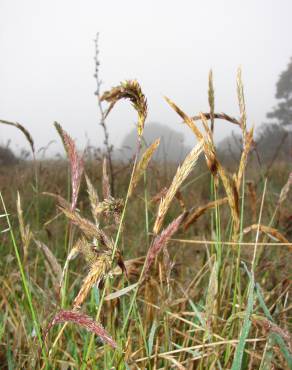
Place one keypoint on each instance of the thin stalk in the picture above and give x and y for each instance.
(113, 253)
(108, 146)
(253, 264)
(68, 243)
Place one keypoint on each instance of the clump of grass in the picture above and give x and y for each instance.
(147, 300)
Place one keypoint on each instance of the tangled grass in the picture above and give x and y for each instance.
(121, 274)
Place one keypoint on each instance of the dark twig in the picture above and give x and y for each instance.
(108, 146)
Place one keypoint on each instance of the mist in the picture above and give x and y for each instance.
(47, 66)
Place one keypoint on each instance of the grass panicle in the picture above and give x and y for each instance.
(208, 288)
(181, 174)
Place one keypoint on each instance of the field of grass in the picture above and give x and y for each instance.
(174, 268)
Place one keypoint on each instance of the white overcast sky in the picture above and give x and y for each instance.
(46, 61)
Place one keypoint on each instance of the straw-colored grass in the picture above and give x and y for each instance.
(208, 289)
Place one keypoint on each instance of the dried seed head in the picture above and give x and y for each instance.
(84, 321)
(181, 174)
(241, 102)
(110, 207)
(143, 164)
(76, 163)
(243, 160)
(98, 271)
(93, 199)
(24, 131)
(161, 241)
(129, 90)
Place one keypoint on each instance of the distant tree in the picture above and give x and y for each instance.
(7, 158)
(273, 142)
(229, 149)
(171, 149)
(283, 111)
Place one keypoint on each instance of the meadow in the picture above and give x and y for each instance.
(165, 267)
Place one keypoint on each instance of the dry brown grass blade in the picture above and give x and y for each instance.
(208, 145)
(98, 271)
(201, 210)
(23, 130)
(181, 174)
(76, 162)
(129, 90)
(25, 232)
(207, 129)
(143, 164)
(270, 231)
(222, 116)
(188, 120)
(121, 292)
(84, 321)
(53, 262)
(160, 242)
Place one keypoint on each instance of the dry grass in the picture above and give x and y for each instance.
(209, 291)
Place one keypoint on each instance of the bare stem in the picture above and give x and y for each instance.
(108, 146)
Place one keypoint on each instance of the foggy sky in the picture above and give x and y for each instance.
(47, 49)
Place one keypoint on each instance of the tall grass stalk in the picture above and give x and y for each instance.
(88, 351)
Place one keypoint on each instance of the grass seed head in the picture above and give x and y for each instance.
(129, 90)
(98, 271)
(25, 132)
(93, 199)
(76, 162)
(143, 164)
(160, 242)
(84, 321)
(181, 174)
